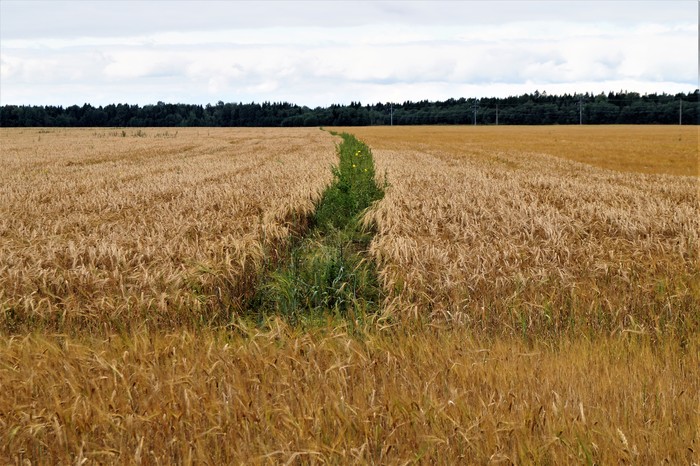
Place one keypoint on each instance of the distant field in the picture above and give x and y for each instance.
(641, 149)
(541, 299)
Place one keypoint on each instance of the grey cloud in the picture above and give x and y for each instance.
(31, 19)
(338, 62)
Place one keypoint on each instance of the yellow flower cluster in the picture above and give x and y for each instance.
(358, 153)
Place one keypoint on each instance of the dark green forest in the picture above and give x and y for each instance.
(528, 109)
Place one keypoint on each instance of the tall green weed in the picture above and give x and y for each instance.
(327, 270)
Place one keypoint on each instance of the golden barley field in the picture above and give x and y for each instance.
(541, 299)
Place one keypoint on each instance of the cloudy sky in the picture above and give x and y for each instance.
(317, 53)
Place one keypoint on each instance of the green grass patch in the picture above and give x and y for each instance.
(327, 271)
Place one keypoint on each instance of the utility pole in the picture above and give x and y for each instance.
(680, 113)
(580, 110)
(475, 107)
(496, 114)
(392, 114)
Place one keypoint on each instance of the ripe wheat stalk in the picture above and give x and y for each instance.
(100, 229)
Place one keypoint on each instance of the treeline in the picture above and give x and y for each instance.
(528, 109)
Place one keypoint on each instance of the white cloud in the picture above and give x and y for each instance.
(409, 52)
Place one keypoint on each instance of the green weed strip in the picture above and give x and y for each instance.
(327, 270)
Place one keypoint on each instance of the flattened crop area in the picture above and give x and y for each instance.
(168, 226)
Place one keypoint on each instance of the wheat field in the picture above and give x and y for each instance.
(541, 299)
(336, 395)
(115, 227)
(479, 229)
